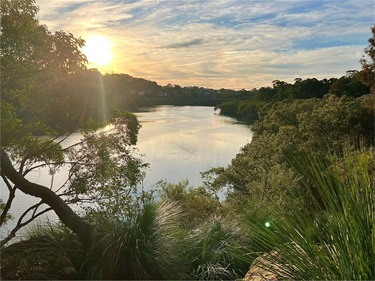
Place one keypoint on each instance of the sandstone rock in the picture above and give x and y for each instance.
(262, 270)
(267, 266)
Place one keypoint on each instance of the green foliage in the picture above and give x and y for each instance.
(251, 109)
(349, 86)
(28, 47)
(38, 258)
(104, 170)
(62, 236)
(248, 110)
(48, 94)
(320, 122)
(261, 174)
(366, 75)
(217, 251)
(243, 110)
(336, 241)
(309, 88)
(336, 120)
(153, 243)
(144, 246)
(265, 93)
(197, 204)
(32, 61)
(228, 108)
(148, 244)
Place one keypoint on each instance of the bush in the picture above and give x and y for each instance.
(216, 250)
(334, 240)
(144, 246)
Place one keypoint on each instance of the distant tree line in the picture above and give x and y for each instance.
(99, 96)
(349, 85)
(103, 94)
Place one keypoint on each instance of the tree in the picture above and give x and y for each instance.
(35, 65)
(265, 93)
(261, 174)
(284, 90)
(367, 74)
(349, 86)
(28, 51)
(309, 88)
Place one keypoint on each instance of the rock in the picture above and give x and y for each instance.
(68, 272)
(267, 266)
(261, 270)
(37, 259)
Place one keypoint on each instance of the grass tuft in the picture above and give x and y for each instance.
(333, 239)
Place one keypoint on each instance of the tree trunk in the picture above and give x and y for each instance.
(88, 234)
(63, 211)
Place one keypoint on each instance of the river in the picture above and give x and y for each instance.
(181, 142)
(177, 142)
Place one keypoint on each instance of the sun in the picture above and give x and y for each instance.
(98, 50)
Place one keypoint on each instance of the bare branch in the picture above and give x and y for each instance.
(12, 191)
(21, 224)
(54, 163)
(62, 210)
(7, 183)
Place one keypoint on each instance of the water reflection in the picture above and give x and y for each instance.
(178, 142)
(181, 142)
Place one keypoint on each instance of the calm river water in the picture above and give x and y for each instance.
(178, 143)
(181, 142)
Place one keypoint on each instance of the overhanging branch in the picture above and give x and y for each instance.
(62, 210)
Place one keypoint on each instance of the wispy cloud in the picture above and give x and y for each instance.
(222, 43)
(186, 44)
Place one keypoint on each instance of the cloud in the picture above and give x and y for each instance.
(194, 42)
(81, 16)
(221, 43)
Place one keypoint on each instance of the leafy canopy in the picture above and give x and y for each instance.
(41, 108)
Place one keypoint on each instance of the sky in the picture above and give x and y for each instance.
(232, 44)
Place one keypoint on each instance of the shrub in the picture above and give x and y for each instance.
(334, 240)
(216, 250)
(143, 246)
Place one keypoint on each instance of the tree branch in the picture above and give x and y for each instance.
(62, 210)
(12, 191)
(21, 224)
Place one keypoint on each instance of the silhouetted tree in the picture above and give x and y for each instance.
(367, 74)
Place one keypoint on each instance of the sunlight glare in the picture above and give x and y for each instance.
(98, 50)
